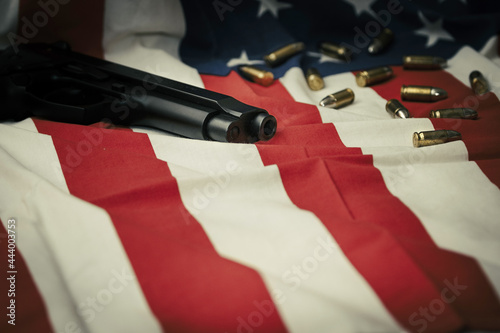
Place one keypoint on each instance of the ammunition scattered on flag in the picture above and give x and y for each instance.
(423, 62)
(478, 83)
(281, 55)
(430, 138)
(314, 79)
(464, 113)
(396, 109)
(339, 99)
(381, 41)
(335, 51)
(422, 93)
(257, 75)
(374, 75)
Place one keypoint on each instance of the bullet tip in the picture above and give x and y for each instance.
(453, 135)
(438, 94)
(327, 102)
(403, 114)
(470, 113)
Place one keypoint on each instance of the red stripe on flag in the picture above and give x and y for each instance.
(343, 192)
(351, 199)
(30, 314)
(188, 286)
(79, 23)
(481, 136)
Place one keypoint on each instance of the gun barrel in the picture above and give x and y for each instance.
(162, 103)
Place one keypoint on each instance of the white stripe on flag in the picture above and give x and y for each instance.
(366, 105)
(23, 150)
(381, 133)
(490, 50)
(26, 124)
(22, 141)
(492, 270)
(146, 35)
(249, 218)
(426, 180)
(76, 240)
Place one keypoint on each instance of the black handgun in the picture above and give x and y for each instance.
(53, 82)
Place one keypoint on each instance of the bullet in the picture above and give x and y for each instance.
(478, 83)
(396, 109)
(339, 99)
(314, 79)
(281, 55)
(463, 113)
(423, 62)
(335, 51)
(374, 75)
(381, 41)
(430, 138)
(422, 93)
(257, 75)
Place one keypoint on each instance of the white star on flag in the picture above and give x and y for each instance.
(271, 5)
(433, 30)
(361, 6)
(242, 60)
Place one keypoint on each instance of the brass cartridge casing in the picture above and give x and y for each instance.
(339, 99)
(396, 109)
(478, 83)
(463, 113)
(430, 138)
(374, 75)
(335, 51)
(423, 62)
(381, 41)
(257, 75)
(422, 93)
(314, 79)
(281, 55)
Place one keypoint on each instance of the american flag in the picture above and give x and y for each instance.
(337, 224)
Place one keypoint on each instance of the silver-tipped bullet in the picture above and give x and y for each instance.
(422, 93)
(381, 41)
(430, 138)
(328, 101)
(438, 94)
(396, 109)
(339, 99)
(463, 113)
